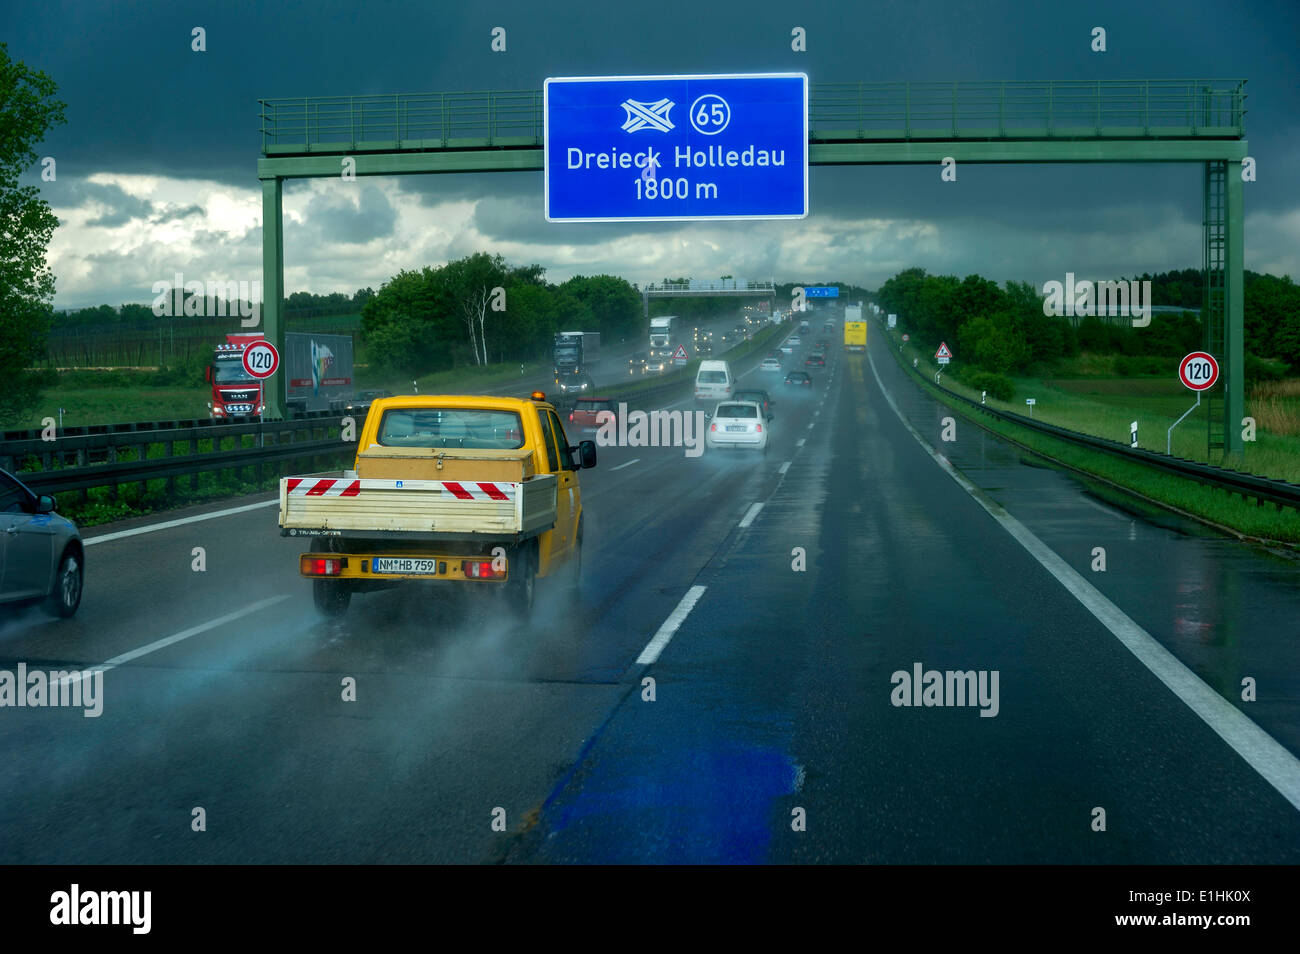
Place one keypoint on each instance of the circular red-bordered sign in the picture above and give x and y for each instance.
(1198, 371)
(261, 360)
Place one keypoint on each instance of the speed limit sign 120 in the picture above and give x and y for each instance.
(1198, 371)
(261, 360)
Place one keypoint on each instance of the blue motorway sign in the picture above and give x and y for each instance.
(674, 148)
(822, 291)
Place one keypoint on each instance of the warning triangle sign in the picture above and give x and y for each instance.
(943, 351)
(680, 353)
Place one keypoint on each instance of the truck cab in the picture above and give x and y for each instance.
(447, 489)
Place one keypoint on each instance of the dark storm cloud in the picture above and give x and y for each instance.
(141, 101)
(119, 207)
(335, 218)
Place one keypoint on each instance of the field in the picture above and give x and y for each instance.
(1081, 396)
(1209, 504)
(113, 404)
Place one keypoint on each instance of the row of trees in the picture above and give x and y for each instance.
(1003, 329)
(479, 309)
(28, 110)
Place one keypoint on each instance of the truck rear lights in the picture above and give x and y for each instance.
(320, 566)
(481, 570)
(759, 428)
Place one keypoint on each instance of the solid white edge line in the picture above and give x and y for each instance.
(1273, 761)
(628, 464)
(168, 524)
(750, 515)
(674, 620)
(187, 633)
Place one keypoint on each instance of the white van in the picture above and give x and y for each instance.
(713, 382)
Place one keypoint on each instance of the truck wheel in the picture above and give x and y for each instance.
(575, 585)
(331, 598)
(66, 595)
(520, 590)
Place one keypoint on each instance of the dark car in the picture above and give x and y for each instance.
(636, 364)
(703, 349)
(798, 379)
(364, 399)
(758, 396)
(577, 383)
(41, 552)
(815, 360)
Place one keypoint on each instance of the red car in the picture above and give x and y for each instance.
(586, 410)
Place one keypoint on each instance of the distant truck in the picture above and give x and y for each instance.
(479, 492)
(663, 332)
(575, 352)
(855, 329)
(317, 372)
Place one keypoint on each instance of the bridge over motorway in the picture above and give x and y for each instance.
(1186, 120)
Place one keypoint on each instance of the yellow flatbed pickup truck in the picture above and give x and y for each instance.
(446, 489)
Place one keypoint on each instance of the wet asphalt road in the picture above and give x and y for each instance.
(772, 701)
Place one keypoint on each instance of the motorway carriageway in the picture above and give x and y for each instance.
(772, 688)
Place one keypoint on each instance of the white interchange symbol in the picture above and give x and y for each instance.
(647, 115)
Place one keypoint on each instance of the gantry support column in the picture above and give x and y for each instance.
(273, 289)
(1234, 404)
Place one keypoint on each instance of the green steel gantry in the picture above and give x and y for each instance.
(1199, 121)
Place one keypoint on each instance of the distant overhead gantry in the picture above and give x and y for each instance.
(705, 288)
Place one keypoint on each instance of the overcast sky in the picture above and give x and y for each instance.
(156, 166)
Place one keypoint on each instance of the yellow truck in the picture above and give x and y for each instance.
(476, 490)
(855, 336)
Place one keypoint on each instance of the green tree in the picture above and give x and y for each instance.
(27, 112)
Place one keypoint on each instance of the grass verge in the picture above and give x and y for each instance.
(1226, 512)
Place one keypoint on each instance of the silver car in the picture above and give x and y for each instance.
(41, 555)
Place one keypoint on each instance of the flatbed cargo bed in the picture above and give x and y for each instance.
(426, 509)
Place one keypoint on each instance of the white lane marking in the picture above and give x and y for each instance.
(810, 426)
(187, 633)
(800, 442)
(628, 464)
(784, 468)
(168, 524)
(674, 620)
(1274, 763)
(750, 514)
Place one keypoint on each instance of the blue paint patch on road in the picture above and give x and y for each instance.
(705, 805)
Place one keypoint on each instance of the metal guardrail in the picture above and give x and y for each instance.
(1200, 108)
(85, 460)
(1279, 492)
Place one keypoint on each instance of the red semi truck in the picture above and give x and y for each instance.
(235, 392)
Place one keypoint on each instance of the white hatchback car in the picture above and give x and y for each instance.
(738, 424)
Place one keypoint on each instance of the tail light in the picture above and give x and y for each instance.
(713, 427)
(320, 566)
(760, 428)
(480, 570)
